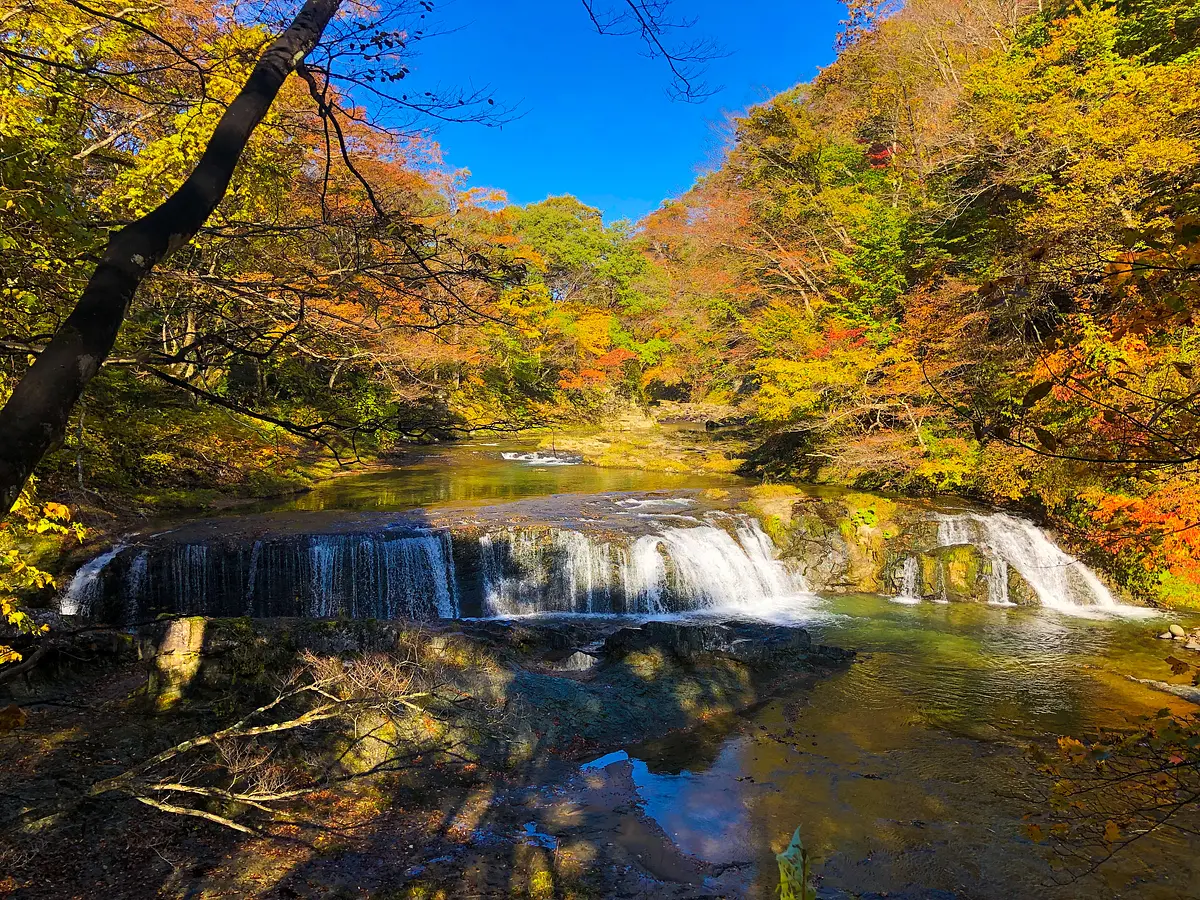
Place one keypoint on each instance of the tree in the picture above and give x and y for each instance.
(361, 52)
(36, 414)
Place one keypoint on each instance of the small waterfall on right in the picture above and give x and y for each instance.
(1059, 580)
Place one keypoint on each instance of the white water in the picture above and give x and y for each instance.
(705, 567)
(654, 502)
(543, 459)
(721, 563)
(910, 581)
(1060, 581)
(87, 586)
(382, 577)
(644, 576)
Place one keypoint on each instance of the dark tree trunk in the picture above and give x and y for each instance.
(35, 417)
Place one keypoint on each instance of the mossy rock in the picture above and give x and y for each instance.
(963, 573)
(1019, 590)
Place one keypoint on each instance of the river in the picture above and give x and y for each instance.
(906, 772)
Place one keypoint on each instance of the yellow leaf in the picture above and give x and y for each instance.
(1112, 832)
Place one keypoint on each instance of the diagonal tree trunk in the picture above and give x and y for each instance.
(35, 417)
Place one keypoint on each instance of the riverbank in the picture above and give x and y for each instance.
(425, 801)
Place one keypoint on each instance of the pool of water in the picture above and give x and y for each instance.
(908, 773)
(477, 473)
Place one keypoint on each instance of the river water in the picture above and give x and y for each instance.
(906, 773)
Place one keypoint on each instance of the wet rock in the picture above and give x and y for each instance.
(571, 661)
(682, 640)
(1166, 636)
(963, 573)
(1177, 630)
(1020, 591)
(752, 643)
(1192, 644)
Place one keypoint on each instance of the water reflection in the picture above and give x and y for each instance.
(905, 772)
(476, 473)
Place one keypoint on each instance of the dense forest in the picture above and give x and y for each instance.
(961, 260)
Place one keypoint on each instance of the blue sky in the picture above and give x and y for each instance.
(597, 121)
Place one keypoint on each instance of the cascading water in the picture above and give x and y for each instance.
(382, 577)
(644, 576)
(135, 583)
(617, 558)
(910, 581)
(685, 568)
(87, 585)
(1060, 581)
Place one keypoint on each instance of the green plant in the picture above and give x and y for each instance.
(795, 874)
(17, 575)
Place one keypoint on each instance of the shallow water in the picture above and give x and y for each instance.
(477, 472)
(904, 771)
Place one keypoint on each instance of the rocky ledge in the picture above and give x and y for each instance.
(574, 685)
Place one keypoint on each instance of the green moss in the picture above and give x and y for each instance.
(1177, 593)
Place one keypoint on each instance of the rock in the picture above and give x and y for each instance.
(963, 573)
(1166, 636)
(681, 639)
(1177, 630)
(1192, 644)
(574, 661)
(752, 643)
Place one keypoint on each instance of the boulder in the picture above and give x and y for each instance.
(571, 661)
(963, 573)
(680, 639)
(1019, 590)
(1177, 630)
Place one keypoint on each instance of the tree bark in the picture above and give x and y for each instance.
(35, 417)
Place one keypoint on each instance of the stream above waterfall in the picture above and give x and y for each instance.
(977, 634)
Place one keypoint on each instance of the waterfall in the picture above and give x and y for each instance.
(546, 570)
(998, 583)
(1060, 581)
(529, 570)
(255, 552)
(910, 581)
(382, 577)
(725, 562)
(135, 586)
(87, 586)
(644, 575)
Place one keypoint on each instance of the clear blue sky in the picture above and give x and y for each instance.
(597, 121)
